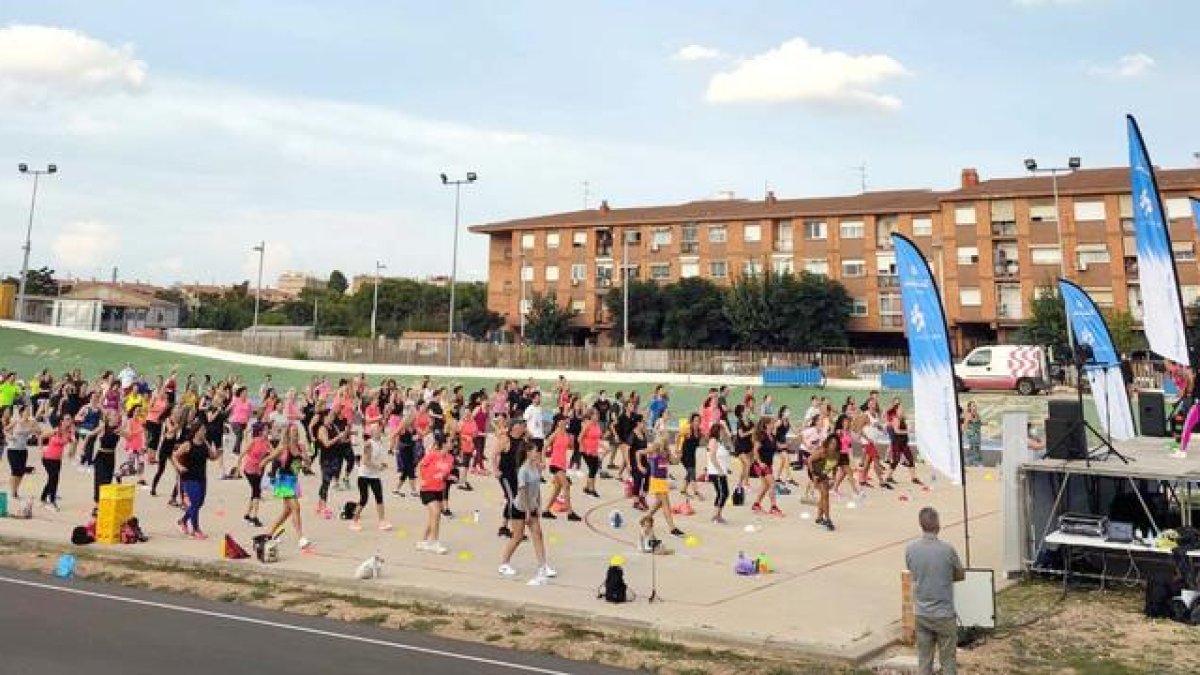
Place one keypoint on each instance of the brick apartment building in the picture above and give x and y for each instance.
(991, 244)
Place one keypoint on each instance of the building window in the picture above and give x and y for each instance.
(885, 264)
(527, 273)
(1091, 254)
(922, 226)
(690, 239)
(717, 233)
(1190, 295)
(964, 215)
(578, 239)
(718, 269)
(525, 306)
(1091, 210)
(632, 271)
(851, 229)
(884, 227)
(854, 268)
(660, 271)
(1045, 255)
(786, 266)
(858, 307)
(1004, 211)
(967, 255)
(633, 237)
(527, 241)
(604, 276)
(783, 237)
(1184, 251)
(970, 297)
(890, 304)
(661, 236)
(578, 272)
(1178, 207)
(1042, 211)
(687, 270)
(817, 266)
(815, 229)
(552, 239)
(551, 272)
(752, 268)
(751, 232)
(1102, 296)
(578, 306)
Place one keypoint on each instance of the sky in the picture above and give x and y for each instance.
(185, 133)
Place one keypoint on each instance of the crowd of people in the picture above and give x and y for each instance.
(169, 433)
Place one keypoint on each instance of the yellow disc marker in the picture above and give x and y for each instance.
(552, 539)
(616, 560)
(402, 533)
(466, 556)
(692, 541)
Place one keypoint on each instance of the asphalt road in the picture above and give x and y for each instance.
(52, 627)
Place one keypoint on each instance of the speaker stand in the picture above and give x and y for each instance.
(1105, 449)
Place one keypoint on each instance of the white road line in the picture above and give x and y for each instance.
(284, 626)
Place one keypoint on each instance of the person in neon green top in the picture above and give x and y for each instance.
(9, 390)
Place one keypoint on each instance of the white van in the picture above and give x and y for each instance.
(1020, 368)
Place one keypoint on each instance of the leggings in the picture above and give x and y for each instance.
(255, 481)
(164, 458)
(237, 430)
(407, 462)
(330, 468)
(372, 485)
(721, 484)
(479, 448)
(348, 459)
(103, 468)
(593, 464)
(50, 492)
(153, 431)
(194, 490)
(1189, 423)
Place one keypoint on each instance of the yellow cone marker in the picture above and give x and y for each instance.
(466, 556)
(617, 560)
(691, 541)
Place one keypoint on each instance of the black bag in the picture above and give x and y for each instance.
(1180, 611)
(1160, 589)
(348, 510)
(80, 536)
(739, 496)
(614, 588)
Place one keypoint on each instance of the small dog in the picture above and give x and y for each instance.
(371, 568)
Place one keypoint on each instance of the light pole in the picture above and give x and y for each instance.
(625, 287)
(375, 300)
(457, 183)
(37, 173)
(1072, 166)
(261, 248)
(521, 307)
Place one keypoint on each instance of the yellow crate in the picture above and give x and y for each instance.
(117, 492)
(116, 507)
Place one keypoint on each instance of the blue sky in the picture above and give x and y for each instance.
(184, 136)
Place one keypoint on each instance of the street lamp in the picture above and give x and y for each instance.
(521, 307)
(1073, 164)
(625, 287)
(37, 173)
(457, 183)
(375, 300)
(261, 249)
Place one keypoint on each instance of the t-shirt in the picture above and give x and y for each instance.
(933, 564)
(589, 440)
(535, 422)
(558, 451)
(721, 466)
(256, 452)
(531, 480)
(373, 454)
(657, 407)
(434, 468)
(54, 447)
(239, 411)
(8, 393)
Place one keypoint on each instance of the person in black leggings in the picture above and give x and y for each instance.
(507, 464)
(406, 458)
(105, 461)
(167, 439)
(329, 449)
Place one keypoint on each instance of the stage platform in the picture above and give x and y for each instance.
(1149, 459)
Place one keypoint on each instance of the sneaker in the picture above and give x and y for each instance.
(828, 524)
(508, 571)
(423, 545)
(573, 517)
(303, 543)
(327, 514)
(466, 487)
(889, 485)
(256, 522)
(199, 536)
(504, 532)
(547, 571)
(538, 581)
(775, 511)
(548, 515)
(436, 547)
(356, 526)
(53, 506)
(385, 526)
(757, 508)
(183, 528)
(718, 520)
(675, 531)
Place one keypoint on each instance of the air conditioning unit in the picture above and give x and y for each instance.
(654, 248)
(1081, 267)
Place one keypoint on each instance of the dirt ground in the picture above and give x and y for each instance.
(1082, 632)
(639, 651)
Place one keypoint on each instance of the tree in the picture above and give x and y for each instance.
(1126, 338)
(478, 321)
(547, 323)
(37, 282)
(646, 312)
(1047, 323)
(786, 312)
(337, 282)
(694, 316)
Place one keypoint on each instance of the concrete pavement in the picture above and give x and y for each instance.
(66, 628)
(833, 594)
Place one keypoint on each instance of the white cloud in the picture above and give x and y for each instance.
(1126, 68)
(41, 62)
(696, 53)
(85, 244)
(799, 72)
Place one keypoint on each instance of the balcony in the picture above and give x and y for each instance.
(1007, 269)
(604, 251)
(1131, 268)
(689, 248)
(1009, 312)
(1004, 229)
(888, 280)
(784, 246)
(891, 321)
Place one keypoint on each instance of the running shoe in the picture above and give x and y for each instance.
(183, 528)
(303, 543)
(828, 525)
(757, 508)
(677, 532)
(423, 545)
(356, 526)
(507, 571)
(917, 481)
(436, 547)
(775, 511)
(718, 520)
(573, 517)
(538, 581)
(385, 526)
(547, 572)
(548, 515)
(199, 536)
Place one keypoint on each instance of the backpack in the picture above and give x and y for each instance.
(739, 496)
(348, 510)
(80, 536)
(1160, 589)
(131, 532)
(266, 548)
(614, 589)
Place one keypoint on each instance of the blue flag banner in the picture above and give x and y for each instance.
(934, 396)
(1161, 297)
(1195, 212)
(1088, 327)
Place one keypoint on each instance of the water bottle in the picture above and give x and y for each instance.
(475, 516)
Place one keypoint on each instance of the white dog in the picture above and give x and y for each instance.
(371, 568)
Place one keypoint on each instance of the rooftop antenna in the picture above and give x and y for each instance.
(862, 175)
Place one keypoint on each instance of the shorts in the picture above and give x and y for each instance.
(430, 496)
(513, 513)
(659, 486)
(286, 486)
(843, 459)
(18, 460)
(555, 470)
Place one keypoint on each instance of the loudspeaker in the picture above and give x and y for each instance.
(1152, 414)
(1065, 409)
(1065, 438)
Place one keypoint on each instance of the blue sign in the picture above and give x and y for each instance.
(1087, 324)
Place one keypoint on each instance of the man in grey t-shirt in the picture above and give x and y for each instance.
(935, 567)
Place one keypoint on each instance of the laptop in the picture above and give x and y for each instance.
(1118, 531)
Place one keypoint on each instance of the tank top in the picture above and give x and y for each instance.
(558, 451)
(19, 439)
(108, 440)
(508, 462)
